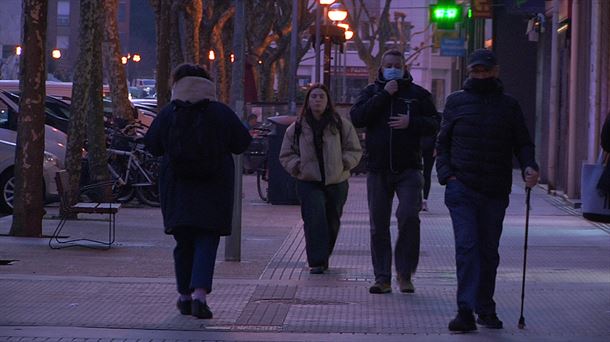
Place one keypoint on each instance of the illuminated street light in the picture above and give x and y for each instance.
(136, 57)
(56, 54)
(326, 2)
(337, 12)
(18, 50)
(349, 34)
(124, 60)
(211, 55)
(232, 58)
(343, 26)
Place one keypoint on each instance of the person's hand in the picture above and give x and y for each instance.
(531, 177)
(391, 87)
(401, 121)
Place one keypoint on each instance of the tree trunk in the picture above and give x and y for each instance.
(282, 79)
(220, 39)
(162, 8)
(193, 12)
(121, 107)
(175, 41)
(87, 107)
(28, 201)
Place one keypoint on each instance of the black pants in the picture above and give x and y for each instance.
(381, 187)
(194, 261)
(477, 227)
(321, 210)
(428, 156)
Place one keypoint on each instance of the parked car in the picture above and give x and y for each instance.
(50, 166)
(57, 112)
(55, 139)
(53, 88)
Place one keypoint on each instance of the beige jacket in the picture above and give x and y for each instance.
(301, 162)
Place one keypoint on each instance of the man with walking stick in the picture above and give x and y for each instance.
(482, 128)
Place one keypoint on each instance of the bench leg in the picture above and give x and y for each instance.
(74, 242)
(55, 235)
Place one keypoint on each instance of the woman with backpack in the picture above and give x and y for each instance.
(320, 149)
(196, 136)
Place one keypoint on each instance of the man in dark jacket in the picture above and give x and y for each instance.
(481, 129)
(396, 113)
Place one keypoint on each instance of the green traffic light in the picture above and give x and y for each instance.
(439, 13)
(445, 13)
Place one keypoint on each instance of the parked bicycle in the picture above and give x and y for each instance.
(134, 171)
(256, 158)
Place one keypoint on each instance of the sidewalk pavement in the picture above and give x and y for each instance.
(127, 293)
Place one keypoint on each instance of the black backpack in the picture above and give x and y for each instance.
(194, 146)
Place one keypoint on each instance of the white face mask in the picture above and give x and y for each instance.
(392, 73)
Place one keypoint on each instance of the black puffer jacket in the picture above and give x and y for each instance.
(394, 149)
(479, 134)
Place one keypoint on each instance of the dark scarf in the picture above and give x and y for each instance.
(484, 85)
(317, 127)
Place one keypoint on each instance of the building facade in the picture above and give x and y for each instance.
(572, 80)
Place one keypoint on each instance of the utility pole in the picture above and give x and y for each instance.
(233, 242)
(292, 77)
(317, 42)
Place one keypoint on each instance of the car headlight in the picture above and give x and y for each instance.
(52, 159)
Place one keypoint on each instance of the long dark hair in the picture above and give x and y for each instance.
(329, 112)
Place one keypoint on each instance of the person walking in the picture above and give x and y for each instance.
(396, 113)
(481, 129)
(429, 155)
(197, 193)
(319, 149)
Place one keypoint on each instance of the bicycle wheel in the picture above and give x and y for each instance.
(149, 194)
(122, 192)
(262, 181)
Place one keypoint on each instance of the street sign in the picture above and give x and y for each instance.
(453, 47)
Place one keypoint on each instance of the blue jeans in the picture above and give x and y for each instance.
(194, 261)
(321, 210)
(477, 227)
(381, 187)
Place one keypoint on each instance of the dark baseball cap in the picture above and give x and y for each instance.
(482, 57)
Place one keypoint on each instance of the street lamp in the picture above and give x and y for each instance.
(211, 58)
(330, 34)
(56, 53)
(18, 50)
(348, 33)
(337, 12)
(136, 58)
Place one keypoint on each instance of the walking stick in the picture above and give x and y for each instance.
(527, 223)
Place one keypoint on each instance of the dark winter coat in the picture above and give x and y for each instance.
(193, 204)
(394, 149)
(480, 132)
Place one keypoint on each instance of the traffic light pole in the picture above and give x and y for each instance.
(327, 48)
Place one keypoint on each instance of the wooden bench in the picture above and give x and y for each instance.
(68, 210)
